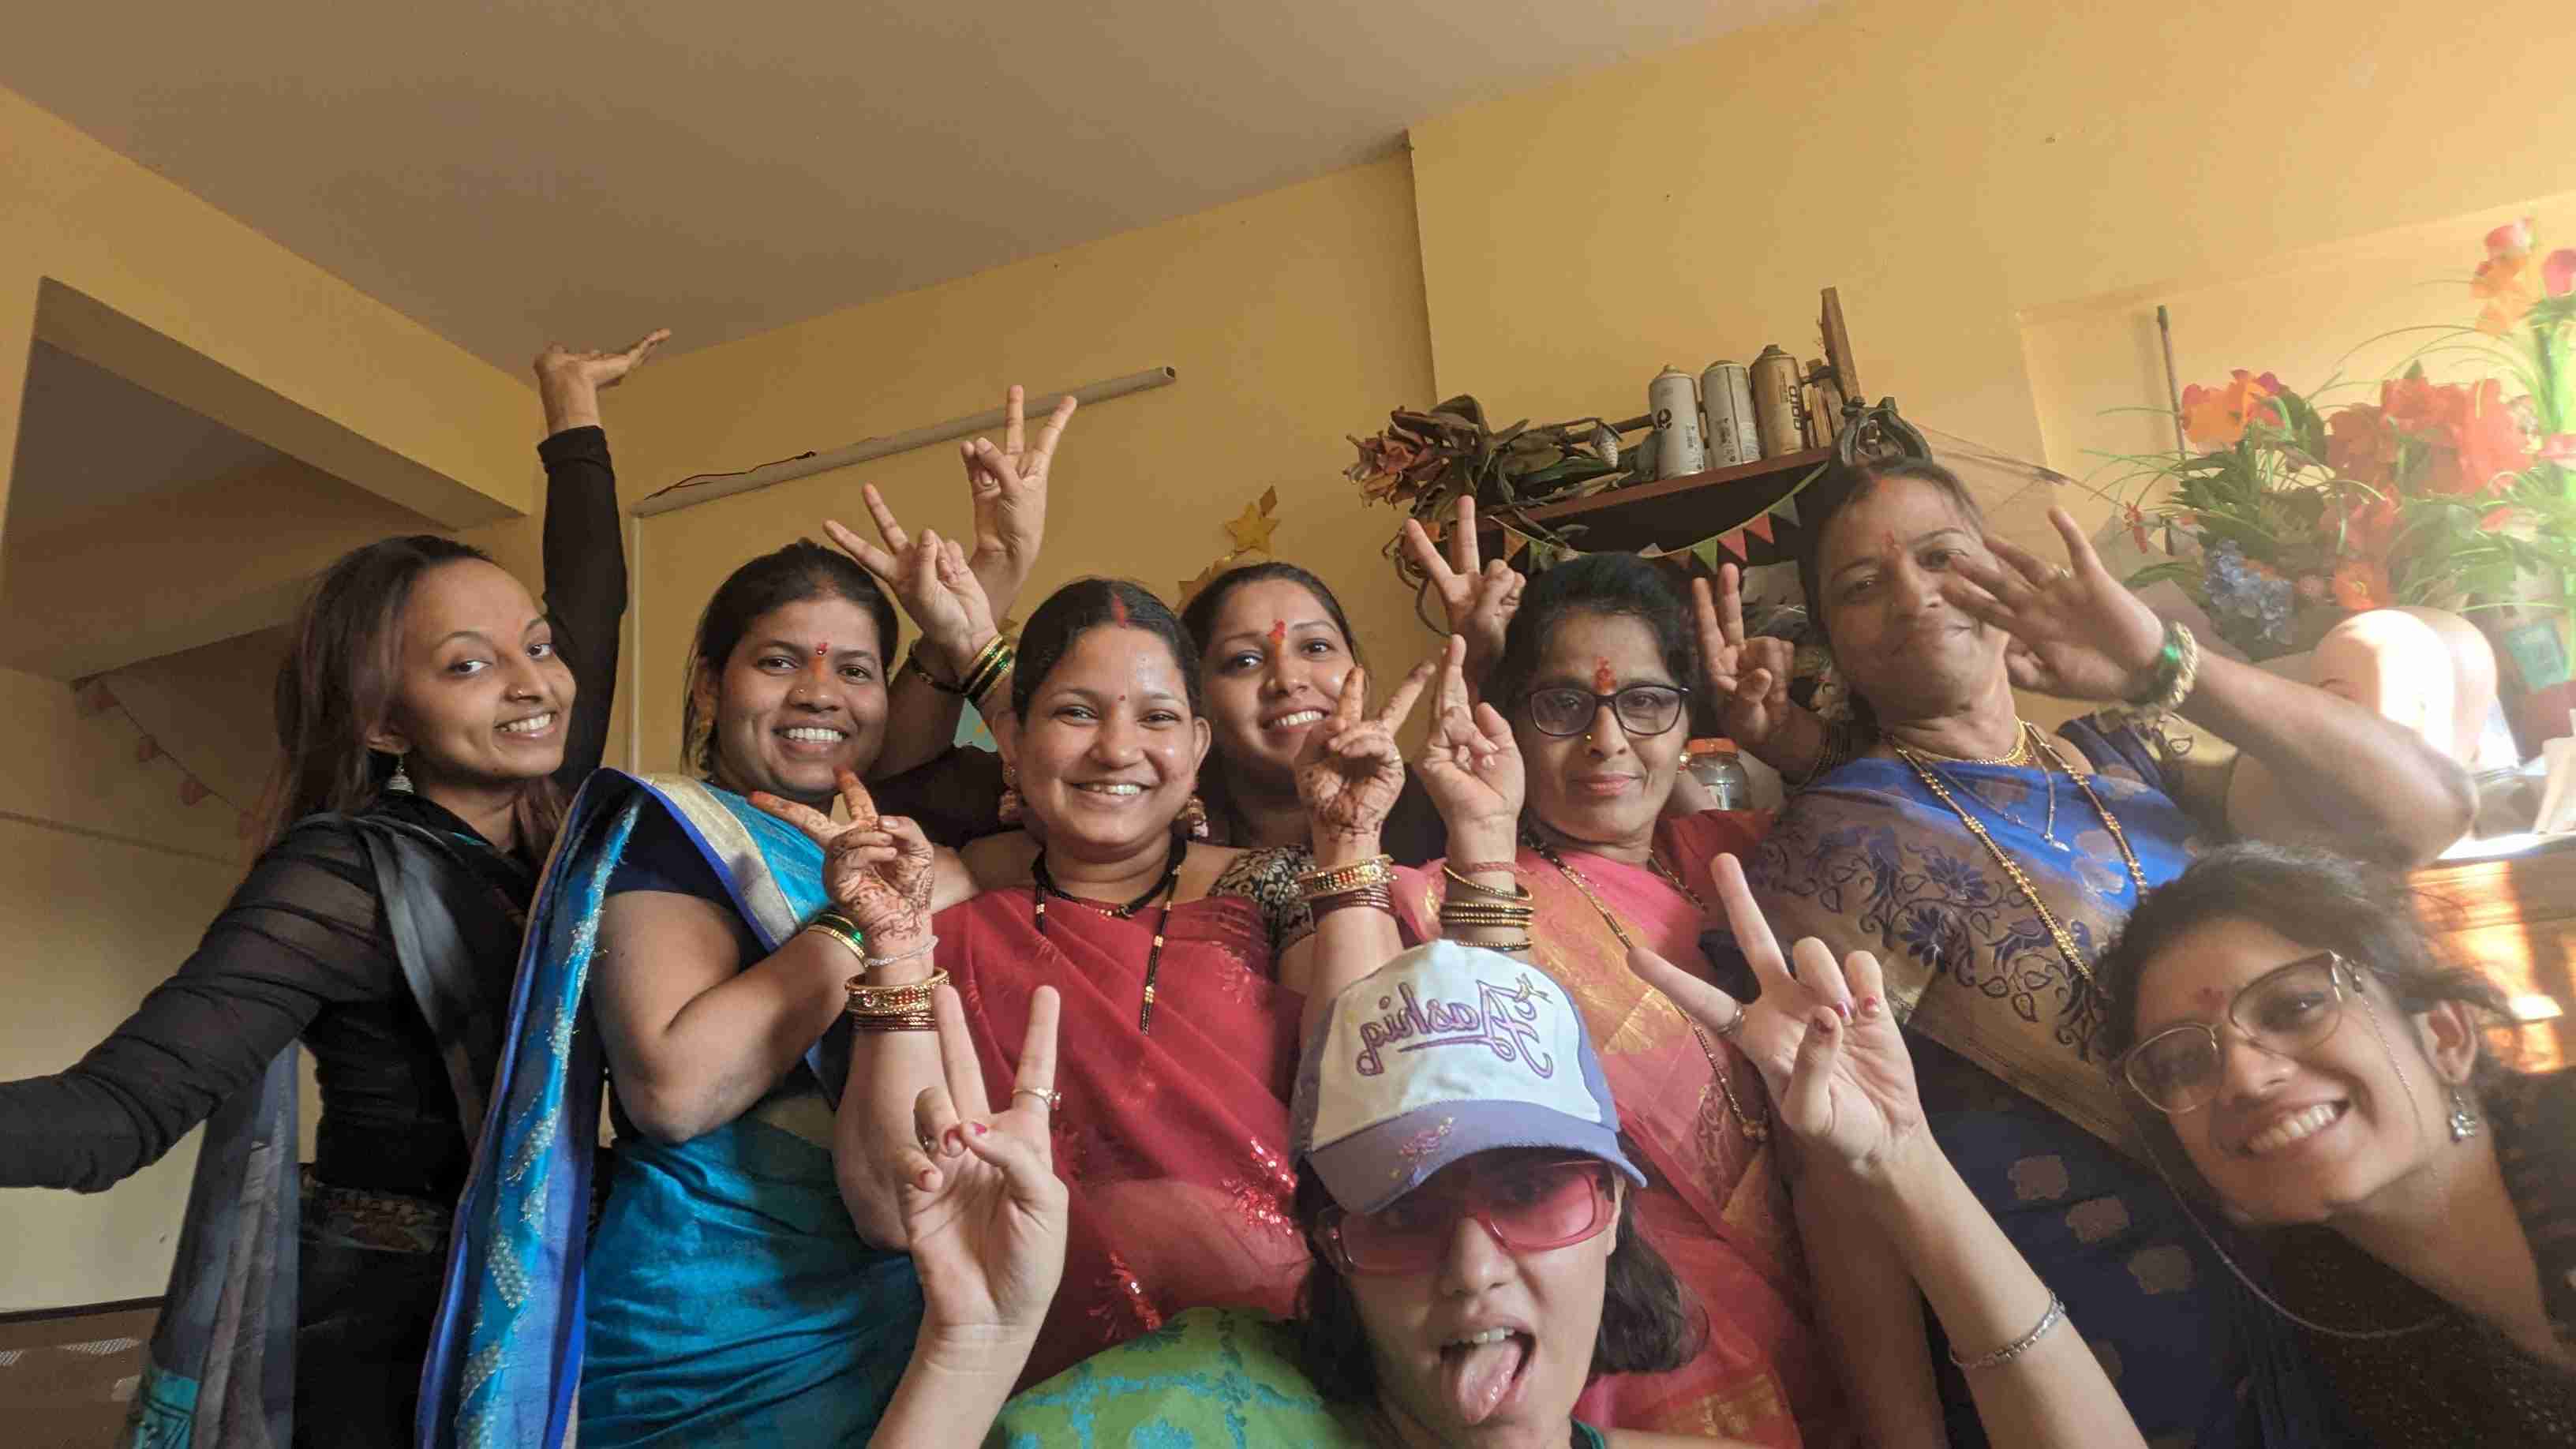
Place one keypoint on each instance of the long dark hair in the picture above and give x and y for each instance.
(1617, 584)
(2361, 912)
(802, 570)
(1087, 604)
(1648, 1323)
(1855, 482)
(337, 680)
(1199, 618)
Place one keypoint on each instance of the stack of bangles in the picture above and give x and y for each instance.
(1368, 883)
(990, 668)
(2177, 671)
(893, 1008)
(1469, 905)
(841, 928)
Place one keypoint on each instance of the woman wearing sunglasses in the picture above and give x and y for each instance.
(1593, 684)
(2316, 1069)
(1472, 1204)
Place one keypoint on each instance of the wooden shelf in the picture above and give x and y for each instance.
(1674, 513)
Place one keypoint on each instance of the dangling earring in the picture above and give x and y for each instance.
(2465, 1121)
(1009, 810)
(1194, 817)
(400, 783)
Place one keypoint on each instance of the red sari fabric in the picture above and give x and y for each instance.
(1714, 1205)
(1173, 1143)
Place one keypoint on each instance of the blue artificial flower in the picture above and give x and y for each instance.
(2239, 591)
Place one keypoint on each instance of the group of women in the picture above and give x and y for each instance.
(943, 1095)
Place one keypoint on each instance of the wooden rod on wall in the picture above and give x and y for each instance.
(685, 495)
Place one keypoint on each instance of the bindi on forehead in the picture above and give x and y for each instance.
(2209, 998)
(823, 650)
(1603, 680)
(1887, 542)
(1278, 632)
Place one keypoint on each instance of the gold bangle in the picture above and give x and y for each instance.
(979, 676)
(1377, 871)
(850, 941)
(912, 996)
(1518, 892)
(901, 1021)
(1368, 897)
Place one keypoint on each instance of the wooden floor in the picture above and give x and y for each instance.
(65, 1378)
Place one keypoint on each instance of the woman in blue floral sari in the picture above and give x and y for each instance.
(1987, 862)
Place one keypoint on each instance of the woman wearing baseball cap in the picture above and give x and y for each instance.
(1467, 1193)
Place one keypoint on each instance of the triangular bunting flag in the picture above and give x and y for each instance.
(1787, 512)
(1735, 544)
(1760, 527)
(1513, 539)
(1706, 551)
(1652, 550)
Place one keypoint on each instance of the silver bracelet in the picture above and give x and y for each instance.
(879, 963)
(2055, 1315)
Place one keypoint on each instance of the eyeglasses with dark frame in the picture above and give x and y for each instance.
(1528, 1207)
(1641, 709)
(2282, 1012)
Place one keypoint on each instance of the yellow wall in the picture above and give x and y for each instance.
(110, 878)
(1293, 318)
(1948, 164)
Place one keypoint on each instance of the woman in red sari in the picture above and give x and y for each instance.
(1593, 684)
(1180, 969)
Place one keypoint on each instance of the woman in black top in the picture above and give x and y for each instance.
(432, 721)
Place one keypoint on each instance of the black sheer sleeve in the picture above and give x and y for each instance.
(585, 558)
(304, 932)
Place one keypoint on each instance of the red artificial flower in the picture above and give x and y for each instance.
(2360, 446)
(2369, 528)
(2136, 518)
(2513, 239)
(2359, 586)
(2558, 273)
(2492, 445)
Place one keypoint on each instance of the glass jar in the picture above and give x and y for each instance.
(1713, 763)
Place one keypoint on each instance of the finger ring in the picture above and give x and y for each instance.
(1734, 1025)
(1053, 1100)
(2060, 574)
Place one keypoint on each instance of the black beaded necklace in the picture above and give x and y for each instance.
(1168, 887)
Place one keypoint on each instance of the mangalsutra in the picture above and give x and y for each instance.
(2018, 757)
(1168, 887)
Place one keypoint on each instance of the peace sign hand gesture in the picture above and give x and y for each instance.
(877, 870)
(1349, 770)
(1471, 767)
(1821, 1034)
(930, 576)
(1010, 488)
(986, 1216)
(1479, 598)
(2077, 632)
(1750, 675)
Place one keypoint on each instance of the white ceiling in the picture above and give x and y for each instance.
(517, 170)
(88, 437)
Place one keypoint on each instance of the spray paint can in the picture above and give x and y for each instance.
(1775, 402)
(1673, 399)
(1726, 401)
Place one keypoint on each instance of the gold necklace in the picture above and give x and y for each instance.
(2048, 918)
(2019, 754)
(1753, 1131)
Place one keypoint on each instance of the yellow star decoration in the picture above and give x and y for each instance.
(1252, 530)
(1251, 533)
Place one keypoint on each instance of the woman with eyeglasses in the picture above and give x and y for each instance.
(2300, 1057)
(1593, 684)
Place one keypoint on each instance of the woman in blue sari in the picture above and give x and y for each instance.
(724, 1296)
(1987, 863)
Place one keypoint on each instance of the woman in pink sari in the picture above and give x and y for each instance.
(1180, 968)
(1592, 686)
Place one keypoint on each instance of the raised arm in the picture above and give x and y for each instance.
(1837, 1067)
(2368, 783)
(1750, 680)
(1349, 773)
(584, 544)
(1471, 768)
(694, 1035)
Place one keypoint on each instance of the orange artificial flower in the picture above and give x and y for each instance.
(2370, 528)
(2360, 446)
(2216, 417)
(2500, 281)
(2359, 586)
